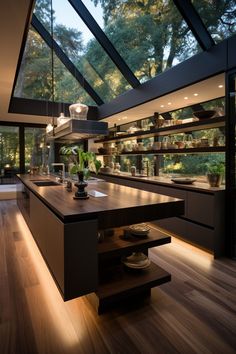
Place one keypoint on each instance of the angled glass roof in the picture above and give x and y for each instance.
(151, 36)
(96, 50)
(35, 76)
(219, 17)
(88, 55)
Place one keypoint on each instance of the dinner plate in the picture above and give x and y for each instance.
(138, 266)
(182, 180)
(139, 229)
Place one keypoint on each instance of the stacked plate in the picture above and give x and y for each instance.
(137, 260)
(139, 229)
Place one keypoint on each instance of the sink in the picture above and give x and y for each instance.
(46, 183)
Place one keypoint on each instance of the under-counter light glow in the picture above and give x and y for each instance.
(195, 94)
(162, 106)
(48, 295)
(189, 252)
(169, 103)
(221, 86)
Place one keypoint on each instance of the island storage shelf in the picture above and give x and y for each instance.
(117, 283)
(118, 245)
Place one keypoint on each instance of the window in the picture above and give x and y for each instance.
(219, 17)
(36, 150)
(9, 153)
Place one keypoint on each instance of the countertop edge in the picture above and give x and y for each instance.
(167, 183)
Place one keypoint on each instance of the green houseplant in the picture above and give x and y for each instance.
(83, 161)
(215, 173)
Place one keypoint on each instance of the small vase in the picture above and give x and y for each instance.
(214, 179)
(81, 185)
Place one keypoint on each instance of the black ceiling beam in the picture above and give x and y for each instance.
(195, 23)
(64, 59)
(101, 37)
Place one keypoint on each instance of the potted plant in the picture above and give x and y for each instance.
(215, 173)
(83, 162)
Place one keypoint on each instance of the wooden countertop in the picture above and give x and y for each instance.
(165, 181)
(122, 206)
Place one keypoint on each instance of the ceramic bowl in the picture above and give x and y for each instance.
(204, 114)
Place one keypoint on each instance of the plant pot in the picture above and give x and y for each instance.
(81, 185)
(214, 179)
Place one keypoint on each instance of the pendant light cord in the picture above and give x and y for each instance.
(52, 68)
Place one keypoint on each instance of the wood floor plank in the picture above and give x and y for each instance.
(194, 313)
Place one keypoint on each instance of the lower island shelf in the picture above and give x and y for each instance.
(118, 282)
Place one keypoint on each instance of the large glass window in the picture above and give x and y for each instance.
(36, 150)
(150, 35)
(9, 153)
(218, 16)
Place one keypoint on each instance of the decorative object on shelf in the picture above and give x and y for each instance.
(159, 120)
(189, 120)
(62, 119)
(183, 180)
(215, 173)
(106, 169)
(204, 114)
(139, 229)
(133, 170)
(117, 168)
(137, 260)
(83, 162)
(78, 111)
(49, 128)
(102, 150)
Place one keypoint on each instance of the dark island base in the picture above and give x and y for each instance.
(120, 285)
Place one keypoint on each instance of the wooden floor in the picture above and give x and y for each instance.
(194, 313)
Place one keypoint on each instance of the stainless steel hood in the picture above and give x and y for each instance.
(76, 129)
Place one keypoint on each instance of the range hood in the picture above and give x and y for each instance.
(77, 129)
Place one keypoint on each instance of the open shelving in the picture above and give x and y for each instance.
(116, 282)
(211, 123)
(171, 151)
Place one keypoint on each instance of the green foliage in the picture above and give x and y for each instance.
(216, 167)
(191, 164)
(83, 160)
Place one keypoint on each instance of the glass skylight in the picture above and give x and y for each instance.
(151, 36)
(219, 17)
(35, 76)
(87, 55)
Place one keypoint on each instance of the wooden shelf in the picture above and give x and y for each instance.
(174, 129)
(172, 151)
(117, 245)
(119, 283)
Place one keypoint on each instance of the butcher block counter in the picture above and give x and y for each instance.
(66, 231)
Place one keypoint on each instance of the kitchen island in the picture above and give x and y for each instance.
(66, 232)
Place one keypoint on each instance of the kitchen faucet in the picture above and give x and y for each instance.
(63, 169)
